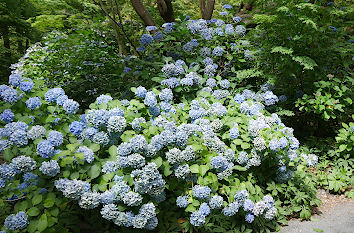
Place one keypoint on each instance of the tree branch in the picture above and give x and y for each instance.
(166, 10)
(142, 12)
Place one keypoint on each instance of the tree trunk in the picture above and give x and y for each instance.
(27, 44)
(207, 9)
(142, 12)
(247, 5)
(6, 39)
(166, 10)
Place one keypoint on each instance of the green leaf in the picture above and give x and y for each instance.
(342, 147)
(42, 223)
(167, 169)
(95, 147)
(190, 208)
(34, 211)
(239, 168)
(307, 62)
(75, 175)
(54, 212)
(37, 199)
(113, 151)
(195, 168)
(245, 145)
(127, 135)
(203, 169)
(94, 171)
(157, 161)
(282, 50)
(49, 202)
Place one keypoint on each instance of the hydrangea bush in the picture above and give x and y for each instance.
(209, 151)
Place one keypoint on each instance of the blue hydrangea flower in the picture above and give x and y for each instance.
(150, 28)
(103, 99)
(231, 209)
(71, 106)
(248, 205)
(7, 116)
(182, 201)
(19, 137)
(101, 138)
(197, 218)
(50, 168)
(201, 192)
(218, 51)
(88, 153)
(23, 164)
(170, 82)
(7, 172)
(55, 137)
(26, 85)
(219, 31)
(140, 49)
(219, 162)
(270, 98)
(204, 209)
(52, 94)
(4, 144)
(240, 30)
(61, 100)
(10, 95)
(37, 131)
(166, 95)
(16, 221)
(33, 102)
(224, 84)
(45, 149)
(294, 143)
(227, 6)
(216, 202)
(158, 35)
(150, 99)
(15, 80)
(141, 92)
(145, 39)
(72, 189)
(241, 196)
(229, 29)
(76, 127)
(249, 217)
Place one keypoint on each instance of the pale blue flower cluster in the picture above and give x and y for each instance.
(7, 116)
(50, 168)
(16, 221)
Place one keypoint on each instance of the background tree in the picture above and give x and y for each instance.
(15, 32)
(207, 8)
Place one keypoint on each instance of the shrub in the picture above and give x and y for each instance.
(306, 50)
(211, 151)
